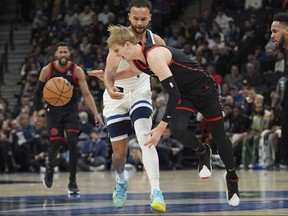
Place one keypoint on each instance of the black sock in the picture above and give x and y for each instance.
(231, 174)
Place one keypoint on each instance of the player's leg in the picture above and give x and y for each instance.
(72, 139)
(212, 113)
(181, 132)
(72, 128)
(56, 137)
(151, 163)
(140, 113)
(118, 131)
(119, 148)
(149, 155)
(119, 127)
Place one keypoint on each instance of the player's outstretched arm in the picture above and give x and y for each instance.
(122, 73)
(97, 73)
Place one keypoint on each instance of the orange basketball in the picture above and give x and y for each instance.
(57, 91)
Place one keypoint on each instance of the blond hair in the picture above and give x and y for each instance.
(120, 35)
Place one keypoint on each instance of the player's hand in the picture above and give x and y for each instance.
(155, 134)
(115, 93)
(98, 121)
(97, 73)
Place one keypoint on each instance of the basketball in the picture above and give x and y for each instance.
(57, 91)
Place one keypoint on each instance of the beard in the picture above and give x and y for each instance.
(63, 61)
(281, 43)
(137, 30)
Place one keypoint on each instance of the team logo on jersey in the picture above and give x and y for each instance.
(69, 73)
(54, 131)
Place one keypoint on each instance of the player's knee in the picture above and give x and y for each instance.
(72, 138)
(120, 148)
(55, 143)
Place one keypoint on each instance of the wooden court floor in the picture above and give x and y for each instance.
(262, 193)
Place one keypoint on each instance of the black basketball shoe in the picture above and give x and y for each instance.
(48, 178)
(73, 188)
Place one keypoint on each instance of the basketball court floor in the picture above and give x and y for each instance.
(262, 193)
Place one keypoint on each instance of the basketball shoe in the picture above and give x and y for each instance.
(204, 167)
(232, 193)
(73, 188)
(120, 192)
(157, 201)
(48, 178)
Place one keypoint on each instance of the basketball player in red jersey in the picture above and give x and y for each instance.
(64, 119)
(190, 87)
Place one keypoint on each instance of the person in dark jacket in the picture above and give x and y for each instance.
(94, 152)
(170, 152)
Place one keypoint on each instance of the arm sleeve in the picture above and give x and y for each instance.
(37, 99)
(170, 87)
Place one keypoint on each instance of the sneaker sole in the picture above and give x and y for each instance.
(73, 193)
(158, 206)
(120, 206)
(77, 194)
(235, 200)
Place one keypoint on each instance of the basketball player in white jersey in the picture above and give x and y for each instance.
(129, 99)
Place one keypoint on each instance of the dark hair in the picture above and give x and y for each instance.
(140, 4)
(228, 105)
(281, 17)
(62, 43)
(237, 106)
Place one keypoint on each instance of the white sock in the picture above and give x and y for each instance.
(149, 155)
(121, 177)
